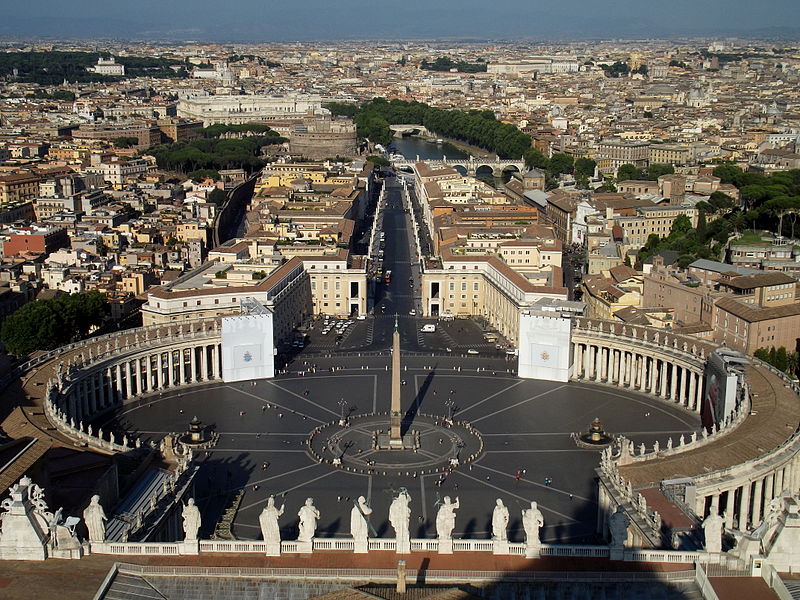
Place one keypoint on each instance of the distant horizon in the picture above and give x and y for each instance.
(466, 21)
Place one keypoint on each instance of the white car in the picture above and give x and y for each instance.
(361, 318)
(429, 328)
(412, 312)
(472, 351)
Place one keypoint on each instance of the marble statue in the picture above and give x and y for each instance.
(532, 521)
(400, 515)
(94, 515)
(712, 528)
(191, 521)
(618, 527)
(358, 519)
(446, 519)
(500, 521)
(268, 519)
(308, 521)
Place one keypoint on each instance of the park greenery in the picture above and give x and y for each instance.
(217, 196)
(629, 172)
(558, 164)
(53, 67)
(621, 69)
(771, 203)
(476, 127)
(125, 141)
(782, 360)
(47, 324)
(63, 95)
(378, 161)
(213, 153)
(201, 174)
(447, 64)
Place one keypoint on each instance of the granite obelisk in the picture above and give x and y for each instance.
(395, 436)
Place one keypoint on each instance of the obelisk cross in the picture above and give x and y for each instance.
(395, 438)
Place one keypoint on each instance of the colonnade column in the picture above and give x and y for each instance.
(192, 365)
(692, 400)
(729, 508)
(159, 371)
(663, 386)
(204, 362)
(744, 507)
(758, 492)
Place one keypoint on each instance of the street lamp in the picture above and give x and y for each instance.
(342, 406)
(451, 408)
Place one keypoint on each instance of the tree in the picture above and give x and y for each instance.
(681, 225)
(47, 324)
(201, 174)
(560, 163)
(585, 166)
(534, 159)
(628, 172)
(125, 142)
(217, 196)
(656, 170)
(728, 173)
(378, 161)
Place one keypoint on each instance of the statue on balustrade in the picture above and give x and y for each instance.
(446, 518)
(268, 519)
(191, 521)
(94, 515)
(400, 515)
(618, 527)
(500, 522)
(532, 521)
(712, 528)
(308, 521)
(359, 527)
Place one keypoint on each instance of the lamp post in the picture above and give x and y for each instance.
(342, 406)
(451, 408)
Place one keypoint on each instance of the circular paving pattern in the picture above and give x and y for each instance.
(351, 445)
(269, 431)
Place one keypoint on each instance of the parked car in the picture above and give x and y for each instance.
(472, 351)
(429, 328)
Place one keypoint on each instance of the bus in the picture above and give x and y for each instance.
(388, 277)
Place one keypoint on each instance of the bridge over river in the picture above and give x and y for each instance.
(470, 165)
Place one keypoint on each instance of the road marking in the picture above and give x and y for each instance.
(540, 485)
(497, 412)
(272, 383)
(291, 410)
(513, 385)
(518, 497)
(291, 489)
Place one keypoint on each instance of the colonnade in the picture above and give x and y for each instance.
(745, 504)
(667, 377)
(111, 382)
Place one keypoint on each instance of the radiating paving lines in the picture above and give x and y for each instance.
(500, 410)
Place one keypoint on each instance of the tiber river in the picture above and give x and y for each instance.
(411, 147)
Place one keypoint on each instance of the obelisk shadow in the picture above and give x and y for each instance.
(412, 411)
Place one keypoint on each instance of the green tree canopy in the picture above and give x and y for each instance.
(628, 172)
(656, 170)
(585, 166)
(47, 324)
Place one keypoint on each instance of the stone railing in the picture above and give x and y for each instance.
(389, 544)
(630, 454)
(85, 434)
(649, 522)
(648, 337)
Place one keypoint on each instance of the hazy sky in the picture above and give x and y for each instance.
(279, 20)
